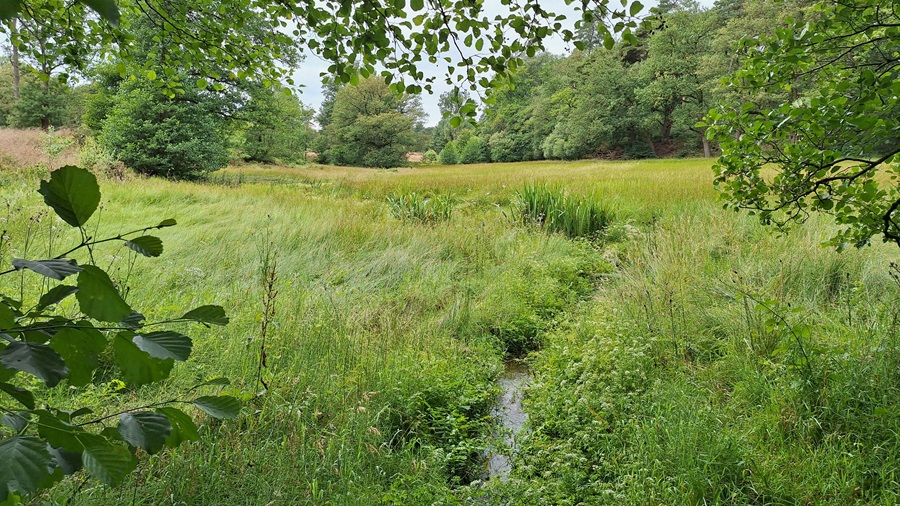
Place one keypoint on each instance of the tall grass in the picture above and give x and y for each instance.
(574, 215)
(663, 374)
(416, 207)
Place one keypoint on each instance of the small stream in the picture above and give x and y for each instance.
(510, 416)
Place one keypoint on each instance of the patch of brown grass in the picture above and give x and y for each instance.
(23, 148)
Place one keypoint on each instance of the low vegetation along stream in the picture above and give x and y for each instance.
(681, 354)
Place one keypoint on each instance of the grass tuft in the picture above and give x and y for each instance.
(556, 210)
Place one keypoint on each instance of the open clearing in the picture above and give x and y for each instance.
(671, 364)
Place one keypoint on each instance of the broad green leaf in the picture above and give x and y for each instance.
(98, 297)
(7, 317)
(57, 269)
(109, 463)
(145, 430)
(81, 351)
(25, 397)
(165, 344)
(222, 406)
(183, 427)
(9, 9)
(35, 358)
(138, 368)
(59, 433)
(213, 315)
(55, 296)
(16, 420)
(417, 5)
(636, 8)
(24, 464)
(68, 462)
(73, 193)
(147, 245)
(107, 9)
(133, 321)
(168, 222)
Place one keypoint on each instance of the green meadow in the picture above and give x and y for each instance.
(683, 354)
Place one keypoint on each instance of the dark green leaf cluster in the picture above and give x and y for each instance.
(818, 126)
(39, 444)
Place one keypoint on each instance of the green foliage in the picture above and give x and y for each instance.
(370, 126)
(558, 211)
(449, 155)
(277, 126)
(178, 137)
(825, 126)
(62, 343)
(430, 157)
(474, 151)
(415, 207)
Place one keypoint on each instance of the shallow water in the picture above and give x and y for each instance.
(510, 416)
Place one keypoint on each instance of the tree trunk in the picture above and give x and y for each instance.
(707, 152)
(45, 114)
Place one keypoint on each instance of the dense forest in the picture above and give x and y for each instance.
(643, 98)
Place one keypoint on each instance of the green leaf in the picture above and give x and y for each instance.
(107, 9)
(24, 464)
(138, 368)
(61, 434)
(165, 344)
(222, 406)
(145, 430)
(98, 297)
(25, 397)
(417, 5)
(169, 222)
(57, 269)
(7, 317)
(35, 358)
(69, 462)
(110, 463)
(81, 352)
(73, 193)
(202, 84)
(8, 10)
(636, 8)
(16, 420)
(183, 428)
(133, 321)
(151, 75)
(55, 296)
(213, 315)
(146, 245)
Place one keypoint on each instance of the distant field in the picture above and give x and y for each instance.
(659, 377)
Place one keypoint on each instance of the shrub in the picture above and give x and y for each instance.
(153, 134)
(448, 155)
(474, 151)
(430, 157)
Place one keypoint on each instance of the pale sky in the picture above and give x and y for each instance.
(310, 69)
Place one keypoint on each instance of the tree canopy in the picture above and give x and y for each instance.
(817, 126)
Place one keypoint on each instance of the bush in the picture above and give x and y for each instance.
(448, 155)
(474, 151)
(430, 157)
(177, 138)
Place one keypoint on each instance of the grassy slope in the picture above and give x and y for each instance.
(663, 389)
